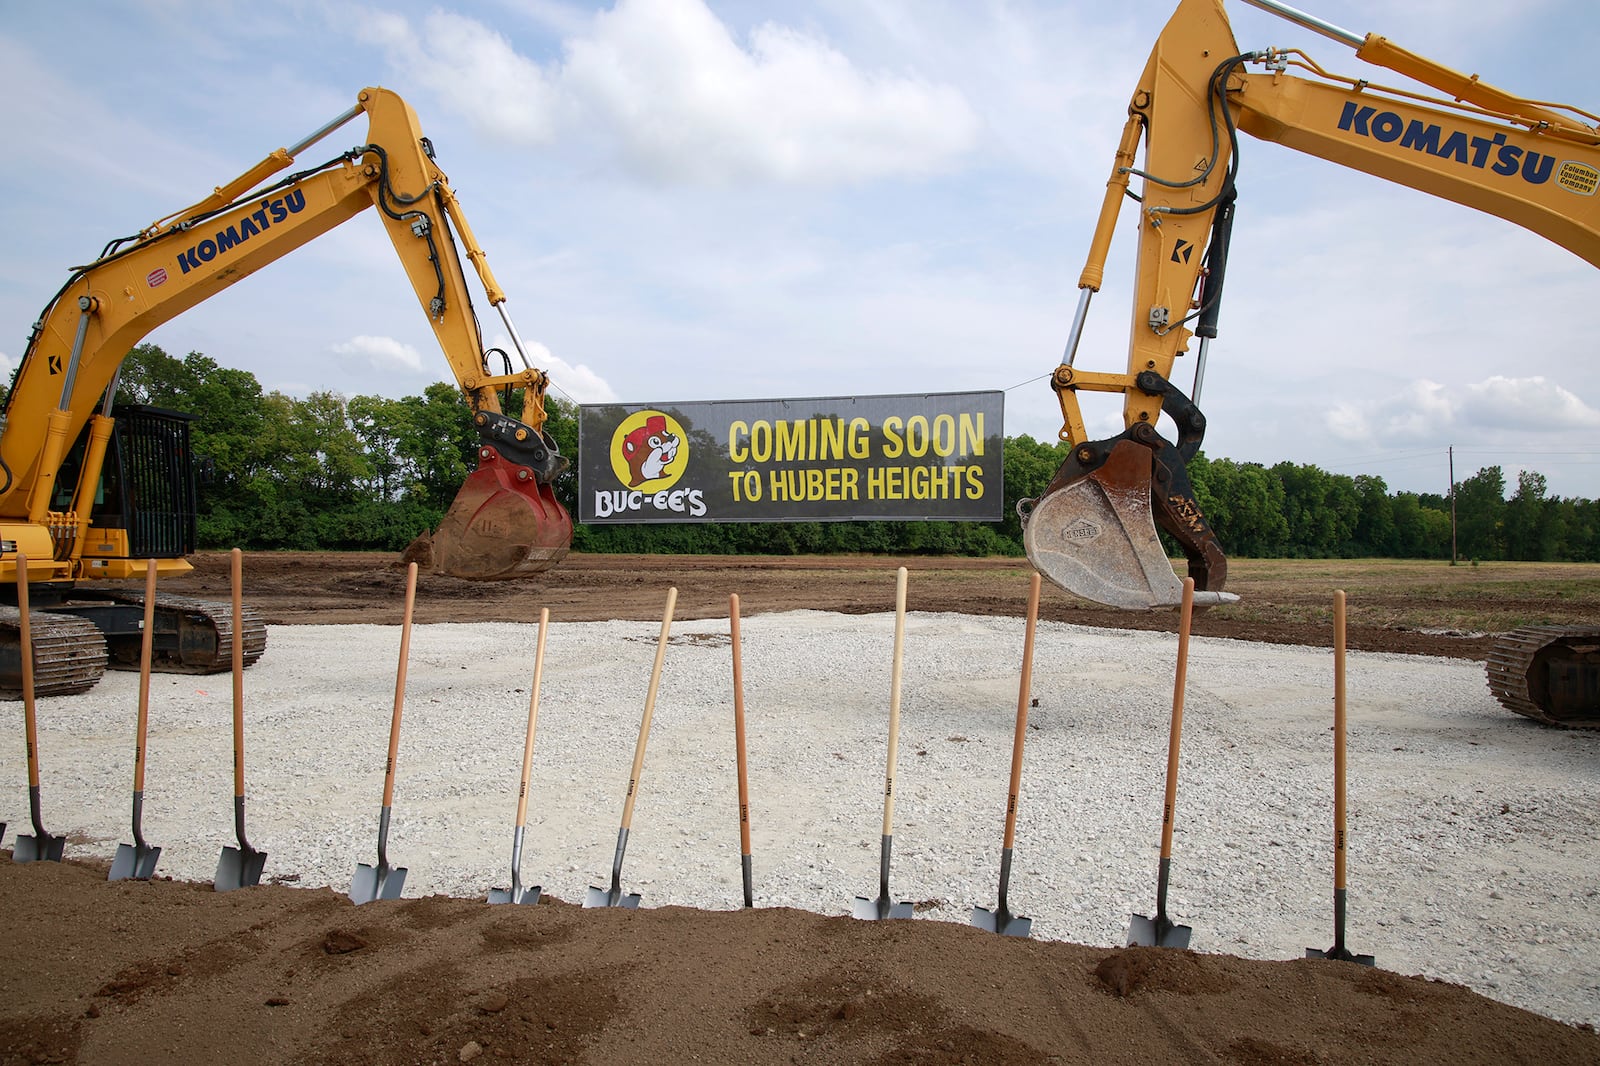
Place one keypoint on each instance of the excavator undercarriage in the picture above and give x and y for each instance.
(74, 641)
(1550, 674)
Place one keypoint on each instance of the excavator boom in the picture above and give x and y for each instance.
(1094, 530)
(61, 421)
(69, 369)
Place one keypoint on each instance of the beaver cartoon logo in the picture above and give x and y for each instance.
(648, 451)
(649, 455)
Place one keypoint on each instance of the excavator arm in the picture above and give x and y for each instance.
(1093, 530)
(505, 521)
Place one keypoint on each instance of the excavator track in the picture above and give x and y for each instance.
(69, 654)
(193, 636)
(1549, 673)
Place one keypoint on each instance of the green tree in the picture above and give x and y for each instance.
(379, 424)
(1322, 509)
(1377, 533)
(1525, 517)
(1026, 467)
(1243, 502)
(1480, 515)
(439, 443)
(1421, 531)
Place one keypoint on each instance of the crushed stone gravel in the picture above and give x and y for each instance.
(1473, 834)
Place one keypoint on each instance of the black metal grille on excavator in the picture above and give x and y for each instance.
(155, 490)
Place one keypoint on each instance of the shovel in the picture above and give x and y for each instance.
(516, 893)
(1160, 931)
(240, 866)
(138, 860)
(41, 846)
(613, 896)
(1001, 920)
(738, 744)
(1338, 951)
(384, 881)
(883, 906)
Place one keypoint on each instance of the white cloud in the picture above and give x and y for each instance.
(1533, 403)
(664, 86)
(8, 367)
(474, 70)
(384, 354)
(579, 384)
(1424, 411)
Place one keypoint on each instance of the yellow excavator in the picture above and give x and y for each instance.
(91, 490)
(1537, 164)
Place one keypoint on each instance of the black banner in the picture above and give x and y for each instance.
(912, 457)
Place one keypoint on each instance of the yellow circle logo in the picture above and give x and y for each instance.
(649, 451)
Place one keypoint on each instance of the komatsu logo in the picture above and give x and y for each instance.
(1479, 152)
(267, 214)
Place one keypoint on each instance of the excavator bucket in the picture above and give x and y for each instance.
(1093, 533)
(504, 523)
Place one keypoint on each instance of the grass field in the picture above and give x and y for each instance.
(1416, 594)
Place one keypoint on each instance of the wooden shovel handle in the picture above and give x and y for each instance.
(738, 726)
(236, 580)
(1338, 740)
(533, 718)
(30, 717)
(894, 698)
(649, 710)
(400, 686)
(1022, 711)
(1179, 681)
(146, 653)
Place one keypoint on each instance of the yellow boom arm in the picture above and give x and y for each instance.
(68, 371)
(1532, 163)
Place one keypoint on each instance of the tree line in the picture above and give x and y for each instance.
(329, 472)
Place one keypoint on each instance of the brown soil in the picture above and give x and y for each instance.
(347, 587)
(137, 972)
(141, 972)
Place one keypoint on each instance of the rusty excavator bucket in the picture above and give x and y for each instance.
(1093, 531)
(505, 521)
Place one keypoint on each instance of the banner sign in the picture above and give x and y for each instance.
(913, 457)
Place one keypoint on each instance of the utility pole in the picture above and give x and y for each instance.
(1452, 454)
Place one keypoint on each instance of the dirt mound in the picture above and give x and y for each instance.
(142, 971)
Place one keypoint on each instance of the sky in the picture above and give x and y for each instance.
(737, 199)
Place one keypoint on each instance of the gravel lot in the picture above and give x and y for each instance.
(1473, 833)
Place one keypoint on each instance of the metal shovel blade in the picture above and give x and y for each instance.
(134, 862)
(1002, 921)
(1158, 932)
(1096, 537)
(517, 894)
(610, 897)
(238, 868)
(40, 848)
(883, 906)
(1342, 955)
(880, 908)
(376, 882)
(1339, 951)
